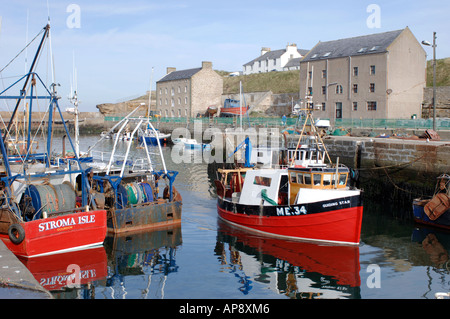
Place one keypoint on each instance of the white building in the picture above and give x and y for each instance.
(274, 60)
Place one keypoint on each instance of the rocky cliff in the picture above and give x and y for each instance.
(128, 106)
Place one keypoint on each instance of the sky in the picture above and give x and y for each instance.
(115, 45)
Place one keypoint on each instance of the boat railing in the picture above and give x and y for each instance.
(133, 164)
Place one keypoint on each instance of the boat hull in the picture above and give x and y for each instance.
(144, 216)
(151, 140)
(337, 221)
(421, 217)
(60, 234)
(233, 110)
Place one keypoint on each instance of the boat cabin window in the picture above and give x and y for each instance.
(343, 179)
(325, 179)
(317, 179)
(293, 178)
(328, 179)
(262, 181)
(307, 179)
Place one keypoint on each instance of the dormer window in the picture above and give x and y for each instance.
(362, 50)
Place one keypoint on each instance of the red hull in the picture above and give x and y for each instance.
(60, 234)
(234, 110)
(340, 262)
(341, 226)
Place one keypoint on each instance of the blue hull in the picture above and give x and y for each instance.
(153, 140)
(197, 146)
(420, 216)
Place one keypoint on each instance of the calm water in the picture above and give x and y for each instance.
(205, 258)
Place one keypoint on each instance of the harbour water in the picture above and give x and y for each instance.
(205, 258)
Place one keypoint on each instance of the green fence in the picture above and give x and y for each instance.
(254, 121)
(441, 124)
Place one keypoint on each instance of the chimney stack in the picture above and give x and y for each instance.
(206, 65)
(170, 70)
(264, 50)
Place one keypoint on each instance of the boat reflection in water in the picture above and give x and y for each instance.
(295, 269)
(68, 270)
(148, 255)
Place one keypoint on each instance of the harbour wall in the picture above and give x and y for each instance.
(390, 170)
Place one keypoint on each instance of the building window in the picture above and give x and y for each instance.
(185, 100)
(324, 106)
(172, 92)
(372, 70)
(372, 88)
(179, 101)
(172, 102)
(160, 102)
(355, 88)
(160, 91)
(355, 106)
(324, 90)
(355, 71)
(179, 113)
(185, 89)
(339, 89)
(166, 102)
(179, 90)
(324, 74)
(371, 106)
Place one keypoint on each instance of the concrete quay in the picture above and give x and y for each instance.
(16, 281)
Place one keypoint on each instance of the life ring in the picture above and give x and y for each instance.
(16, 233)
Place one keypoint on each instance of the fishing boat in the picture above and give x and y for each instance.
(307, 198)
(154, 136)
(434, 210)
(127, 184)
(233, 107)
(45, 205)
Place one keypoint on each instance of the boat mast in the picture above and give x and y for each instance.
(22, 92)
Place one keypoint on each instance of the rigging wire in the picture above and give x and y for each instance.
(21, 51)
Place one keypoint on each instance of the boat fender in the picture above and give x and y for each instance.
(176, 196)
(16, 233)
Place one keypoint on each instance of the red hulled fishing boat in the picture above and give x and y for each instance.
(45, 203)
(305, 199)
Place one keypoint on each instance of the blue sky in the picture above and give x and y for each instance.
(118, 42)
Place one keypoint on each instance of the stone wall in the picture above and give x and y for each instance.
(442, 102)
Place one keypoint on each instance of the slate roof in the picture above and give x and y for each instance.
(362, 45)
(293, 62)
(179, 75)
(275, 54)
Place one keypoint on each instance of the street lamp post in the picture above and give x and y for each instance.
(434, 76)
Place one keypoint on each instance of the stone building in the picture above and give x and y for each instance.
(276, 60)
(378, 76)
(187, 93)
